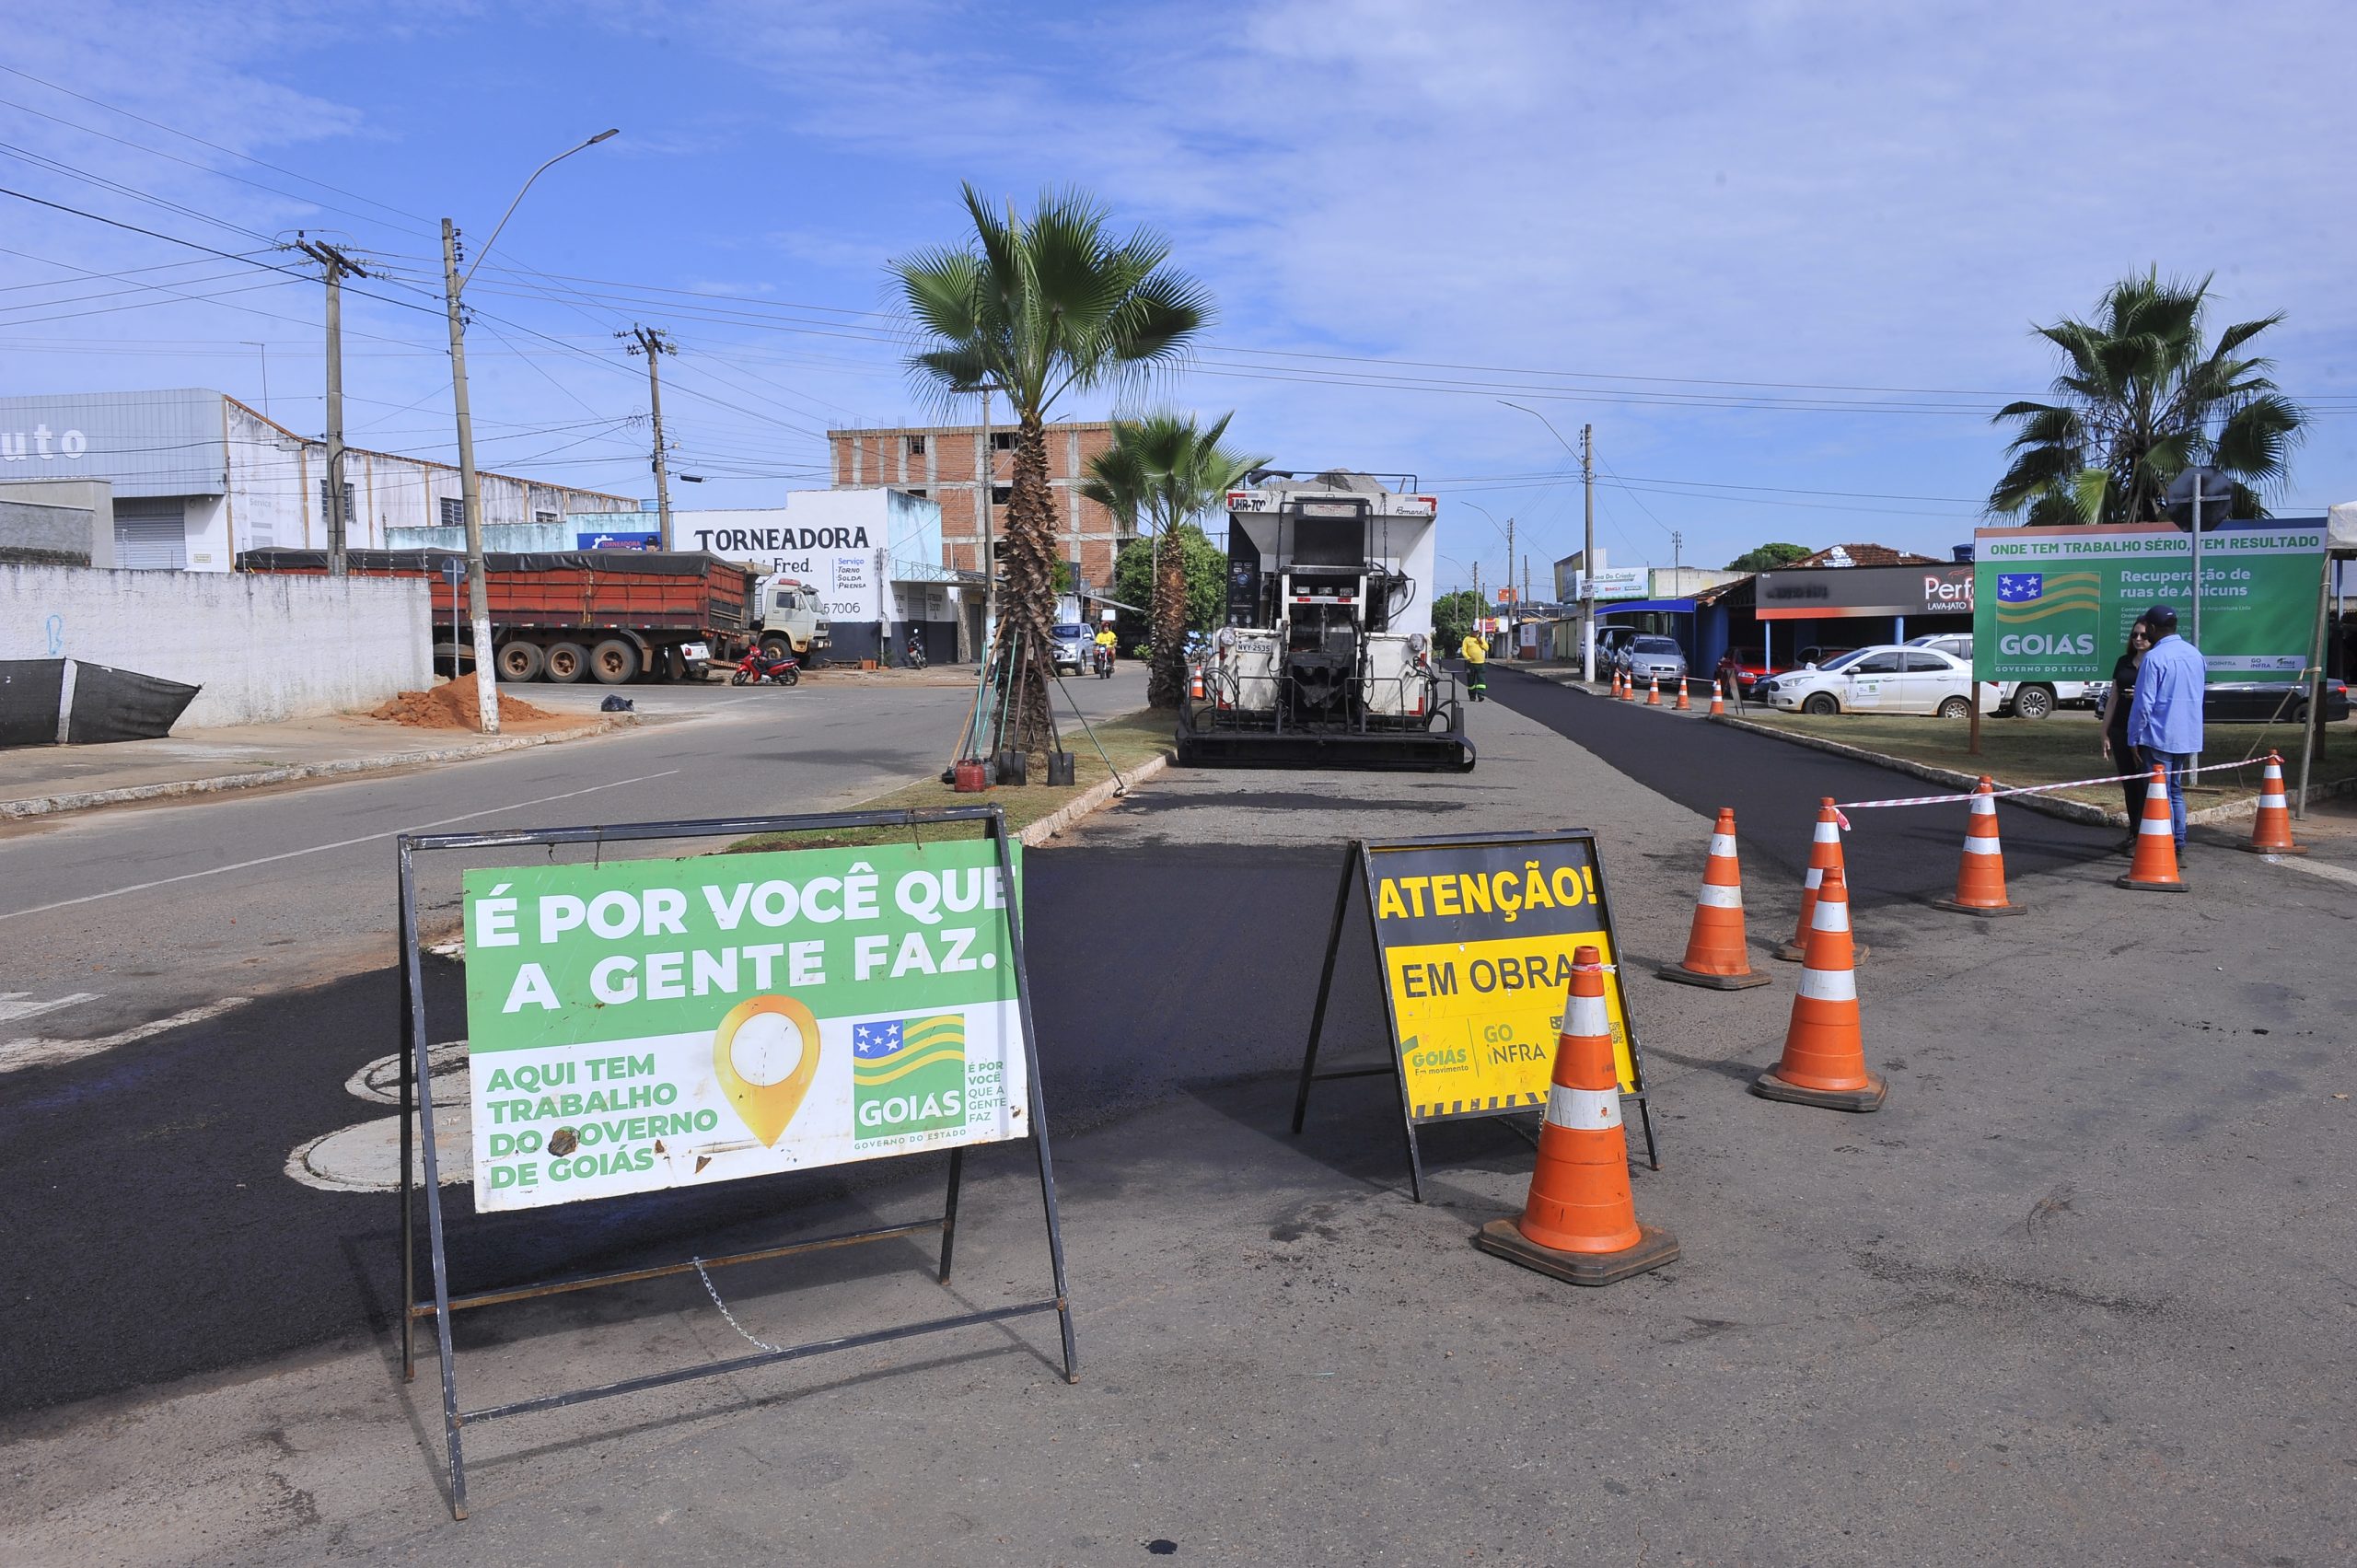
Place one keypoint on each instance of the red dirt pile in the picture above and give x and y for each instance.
(451, 705)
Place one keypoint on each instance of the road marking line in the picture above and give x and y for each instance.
(2331, 873)
(16, 1004)
(322, 849)
(35, 1051)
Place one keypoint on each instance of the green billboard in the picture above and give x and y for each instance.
(2055, 604)
(661, 1023)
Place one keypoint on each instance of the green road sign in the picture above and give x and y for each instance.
(2055, 604)
(660, 1023)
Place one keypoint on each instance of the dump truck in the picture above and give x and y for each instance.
(611, 616)
(1327, 659)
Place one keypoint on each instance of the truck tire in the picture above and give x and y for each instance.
(519, 661)
(2033, 701)
(613, 662)
(564, 663)
(1821, 703)
(777, 647)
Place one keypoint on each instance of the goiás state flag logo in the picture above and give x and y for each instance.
(908, 1075)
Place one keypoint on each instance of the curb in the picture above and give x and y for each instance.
(1086, 801)
(84, 800)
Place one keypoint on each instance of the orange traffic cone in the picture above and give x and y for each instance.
(2154, 869)
(1718, 706)
(1653, 690)
(1825, 1055)
(1580, 1223)
(1715, 954)
(1627, 688)
(1980, 880)
(2271, 831)
(1195, 684)
(1823, 855)
(1616, 693)
(1684, 703)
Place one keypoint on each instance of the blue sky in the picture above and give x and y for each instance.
(1785, 256)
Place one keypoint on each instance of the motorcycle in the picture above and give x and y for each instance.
(1103, 659)
(759, 665)
(914, 654)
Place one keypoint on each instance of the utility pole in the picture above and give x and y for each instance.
(470, 492)
(988, 471)
(1509, 584)
(1677, 551)
(655, 342)
(333, 265)
(1587, 556)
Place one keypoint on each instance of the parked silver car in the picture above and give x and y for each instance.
(1654, 657)
(1073, 643)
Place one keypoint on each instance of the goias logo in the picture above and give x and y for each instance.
(908, 1075)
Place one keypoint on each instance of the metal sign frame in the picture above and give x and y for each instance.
(417, 1109)
(1358, 871)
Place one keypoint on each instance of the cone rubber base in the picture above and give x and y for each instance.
(1955, 908)
(1769, 1086)
(2149, 887)
(1654, 1248)
(2261, 849)
(1790, 952)
(1684, 976)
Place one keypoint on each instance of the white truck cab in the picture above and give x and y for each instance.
(786, 614)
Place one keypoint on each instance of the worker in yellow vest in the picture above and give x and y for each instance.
(1477, 661)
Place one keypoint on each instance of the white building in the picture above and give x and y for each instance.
(872, 555)
(198, 476)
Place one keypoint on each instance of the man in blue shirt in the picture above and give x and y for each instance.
(2165, 723)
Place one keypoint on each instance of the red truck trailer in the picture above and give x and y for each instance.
(605, 615)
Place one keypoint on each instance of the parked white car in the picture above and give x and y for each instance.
(2023, 699)
(1887, 679)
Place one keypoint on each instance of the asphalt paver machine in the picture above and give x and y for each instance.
(1327, 659)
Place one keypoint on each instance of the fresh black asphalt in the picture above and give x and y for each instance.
(151, 1232)
(1774, 787)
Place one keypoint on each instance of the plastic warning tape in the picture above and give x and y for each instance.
(2033, 789)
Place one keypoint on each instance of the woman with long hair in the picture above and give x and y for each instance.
(2114, 741)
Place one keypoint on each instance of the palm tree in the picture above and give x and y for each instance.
(2139, 404)
(1035, 305)
(1162, 470)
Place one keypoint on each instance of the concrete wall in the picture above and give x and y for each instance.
(263, 647)
(93, 497)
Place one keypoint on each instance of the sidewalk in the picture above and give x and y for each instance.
(40, 781)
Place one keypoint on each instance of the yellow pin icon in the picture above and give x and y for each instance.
(765, 1054)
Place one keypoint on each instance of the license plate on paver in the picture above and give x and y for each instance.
(695, 650)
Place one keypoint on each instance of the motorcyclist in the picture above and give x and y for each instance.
(1105, 641)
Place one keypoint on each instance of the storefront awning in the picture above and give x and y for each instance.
(1658, 606)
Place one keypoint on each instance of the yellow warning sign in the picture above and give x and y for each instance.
(1477, 940)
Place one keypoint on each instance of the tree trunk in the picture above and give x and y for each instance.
(1167, 622)
(1028, 604)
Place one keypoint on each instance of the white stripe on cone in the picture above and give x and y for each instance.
(1722, 845)
(1977, 845)
(1829, 916)
(2157, 825)
(1588, 1017)
(1583, 1109)
(1829, 832)
(1830, 985)
(1720, 898)
(1984, 806)
(1815, 880)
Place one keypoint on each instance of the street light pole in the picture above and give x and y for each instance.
(1586, 455)
(470, 492)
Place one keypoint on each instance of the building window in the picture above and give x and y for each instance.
(546, 520)
(454, 511)
(1000, 495)
(918, 491)
(349, 514)
(915, 446)
(1002, 440)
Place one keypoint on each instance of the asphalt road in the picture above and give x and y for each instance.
(152, 1231)
(1775, 787)
(138, 914)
